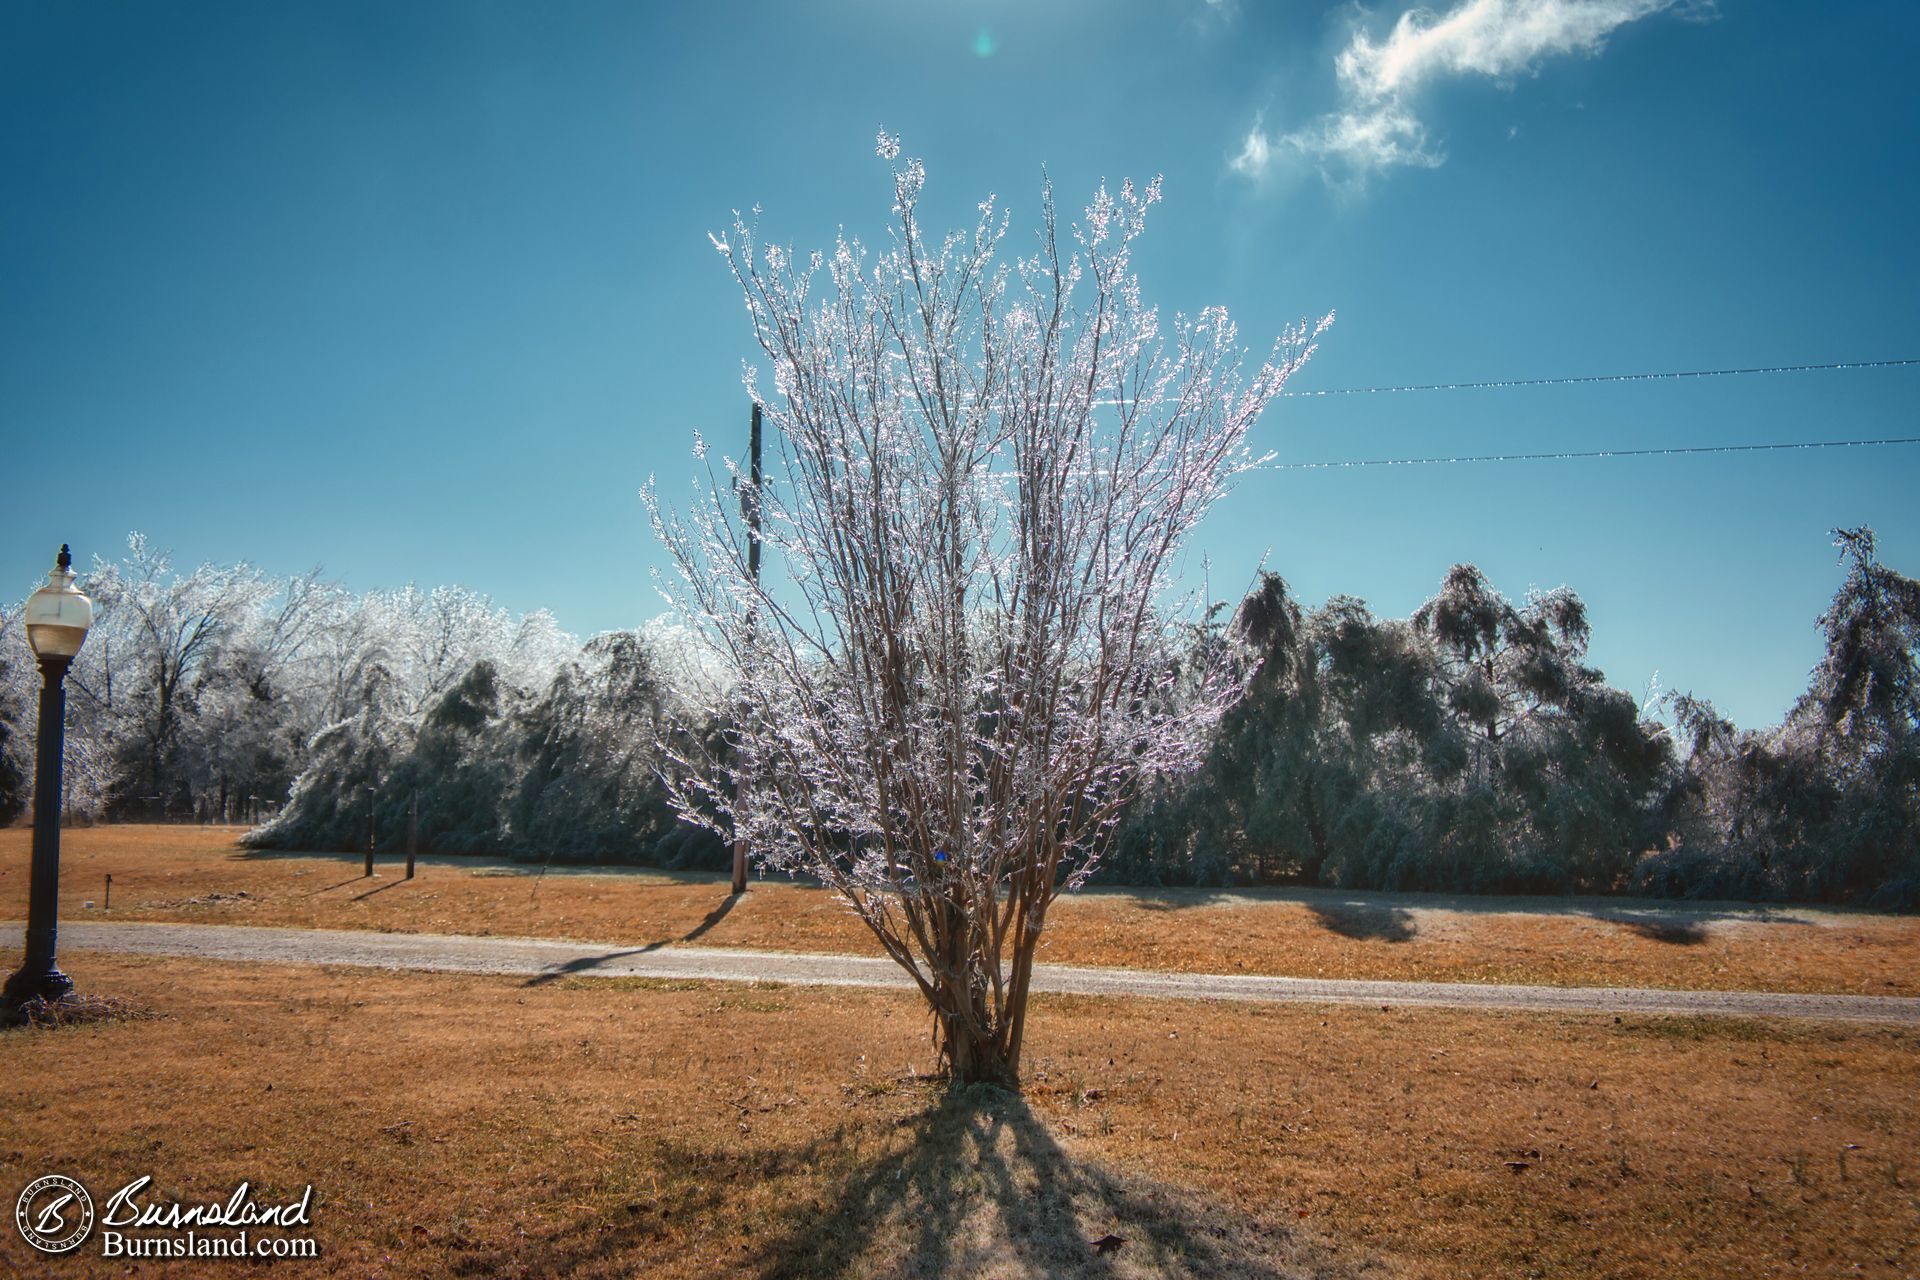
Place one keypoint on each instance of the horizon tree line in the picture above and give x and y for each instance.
(1469, 748)
(1466, 748)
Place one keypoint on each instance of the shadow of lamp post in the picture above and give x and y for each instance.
(57, 618)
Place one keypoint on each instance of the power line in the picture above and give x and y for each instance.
(1568, 455)
(1602, 377)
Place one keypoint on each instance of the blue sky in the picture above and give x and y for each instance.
(424, 292)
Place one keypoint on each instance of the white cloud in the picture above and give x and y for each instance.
(1481, 37)
(1210, 16)
(1377, 136)
(1255, 154)
(1376, 126)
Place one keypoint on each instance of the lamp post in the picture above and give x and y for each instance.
(57, 618)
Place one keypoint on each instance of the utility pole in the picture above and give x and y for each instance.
(750, 509)
(752, 500)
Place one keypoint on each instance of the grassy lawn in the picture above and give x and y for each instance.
(200, 874)
(487, 1126)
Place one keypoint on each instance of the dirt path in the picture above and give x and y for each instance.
(546, 960)
(197, 875)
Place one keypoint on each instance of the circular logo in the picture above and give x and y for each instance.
(54, 1213)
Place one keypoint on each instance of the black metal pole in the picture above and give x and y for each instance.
(370, 795)
(37, 978)
(753, 495)
(413, 830)
(750, 507)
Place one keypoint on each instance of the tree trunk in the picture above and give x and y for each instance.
(1316, 831)
(979, 1038)
(976, 1053)
(971, 1038)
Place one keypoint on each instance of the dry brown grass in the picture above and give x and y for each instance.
(479, 1126)
(73, 1010)
(174, 873)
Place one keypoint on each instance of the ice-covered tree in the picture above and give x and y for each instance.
(16, 692)
(1826, 805)
(963, 661)
(1865, 693)
(432, 638)
(160, 635)
(414, 690)
(1563, 770)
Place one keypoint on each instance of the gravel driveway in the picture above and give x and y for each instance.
(542, 958)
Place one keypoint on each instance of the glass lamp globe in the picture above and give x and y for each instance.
(57, 616)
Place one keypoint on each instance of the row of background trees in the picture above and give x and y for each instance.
(1470, 748)
(1466, 748)
(222, 694)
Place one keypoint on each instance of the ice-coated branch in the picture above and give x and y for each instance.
(962, 661)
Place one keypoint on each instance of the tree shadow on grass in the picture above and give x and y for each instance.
(1682, 933)
(971, 1186)
(984, 1190)
(1614, 908)
(1364, 921)
(492, 865)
